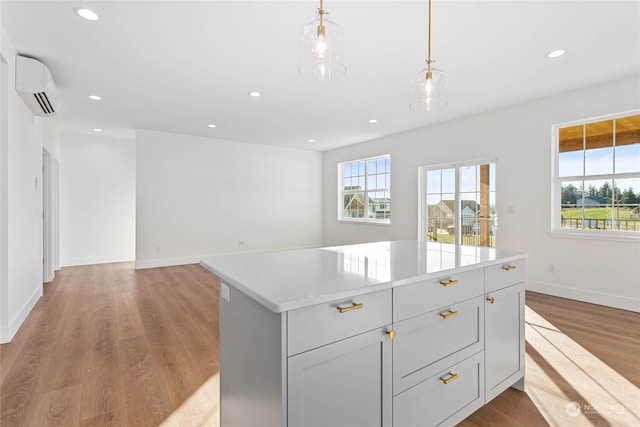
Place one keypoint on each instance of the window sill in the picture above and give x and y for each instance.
(363, 222)
(596, 235)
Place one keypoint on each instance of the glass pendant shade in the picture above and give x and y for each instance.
(429, 90)
(321, 49)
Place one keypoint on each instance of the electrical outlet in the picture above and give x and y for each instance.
(552, 268)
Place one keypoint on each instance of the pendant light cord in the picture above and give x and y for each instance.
(428, 35)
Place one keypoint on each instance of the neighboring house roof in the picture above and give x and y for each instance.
(467, 211)
(594, 201)
(445, 208)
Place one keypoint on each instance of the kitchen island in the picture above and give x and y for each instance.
(399, 333)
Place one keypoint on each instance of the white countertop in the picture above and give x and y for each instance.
(287, 280)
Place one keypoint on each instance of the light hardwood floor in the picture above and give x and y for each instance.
(110, 346)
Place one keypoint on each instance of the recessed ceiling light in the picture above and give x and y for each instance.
(97, 130)
(211, 125)
(373, 121)
(312, 140)
(556, 53)
(254, 94)
(87, 14)
(95, 97)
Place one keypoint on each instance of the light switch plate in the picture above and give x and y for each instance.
(224, 292)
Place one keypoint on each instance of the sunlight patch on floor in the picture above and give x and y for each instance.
(572, 387)
(201, 409)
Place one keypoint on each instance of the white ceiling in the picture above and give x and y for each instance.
(176, 66)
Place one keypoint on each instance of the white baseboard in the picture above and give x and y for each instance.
(593, 297)
(166, 262)
(71, 262)
(9, 331)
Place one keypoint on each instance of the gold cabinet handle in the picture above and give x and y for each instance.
(448, 282)
(451, 313)
(491, 299)
(392, 334)
(451, 376)
(508, 267)
(354, 306)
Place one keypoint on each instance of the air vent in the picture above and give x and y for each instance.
(43, 101)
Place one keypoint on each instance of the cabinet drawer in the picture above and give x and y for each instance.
(321, 324)
(428, 343)
(432, 402)
(503, 275)
(423, 297)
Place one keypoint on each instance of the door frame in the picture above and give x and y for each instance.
(47, 222)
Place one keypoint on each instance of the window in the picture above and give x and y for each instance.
(596, 185)
(365, 190)
(458, 203)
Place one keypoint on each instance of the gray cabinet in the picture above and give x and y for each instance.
(504, 340)
(427, 352)
(346, 383)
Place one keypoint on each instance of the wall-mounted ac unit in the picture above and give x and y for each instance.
(35, 86)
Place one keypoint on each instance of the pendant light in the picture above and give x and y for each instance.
(430, 84)
(321, 49)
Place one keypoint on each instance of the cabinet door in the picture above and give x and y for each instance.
(347, 383)
(504, 339)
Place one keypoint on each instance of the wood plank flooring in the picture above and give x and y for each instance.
(110, 346)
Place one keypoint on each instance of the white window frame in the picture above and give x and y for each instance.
(556, 185)
(422, 202)
(365, 219)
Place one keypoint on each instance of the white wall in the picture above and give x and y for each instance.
(603, 272)
(98, 199)
(26, 136)
(200, 196)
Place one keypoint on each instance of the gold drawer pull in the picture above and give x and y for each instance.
(451, 377)
(448, 282)
(508, 267)
(451, 313)
(392, 334)
(491, 299)
(351, 307)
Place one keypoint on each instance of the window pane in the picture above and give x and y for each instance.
(371, 181)
(353, 205)
(628, 144)
(571, 213)
(571, 139)
(347, 170)
(570, 163)
(379, 205)
(380, 166)
(448, 180)
(372, 167)
(626, 212)
(434, 181)
(598, 161)
(381, 182)
(469, 178)
(599, 148)
(492, 177)
(628, 158)
(596, 204)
